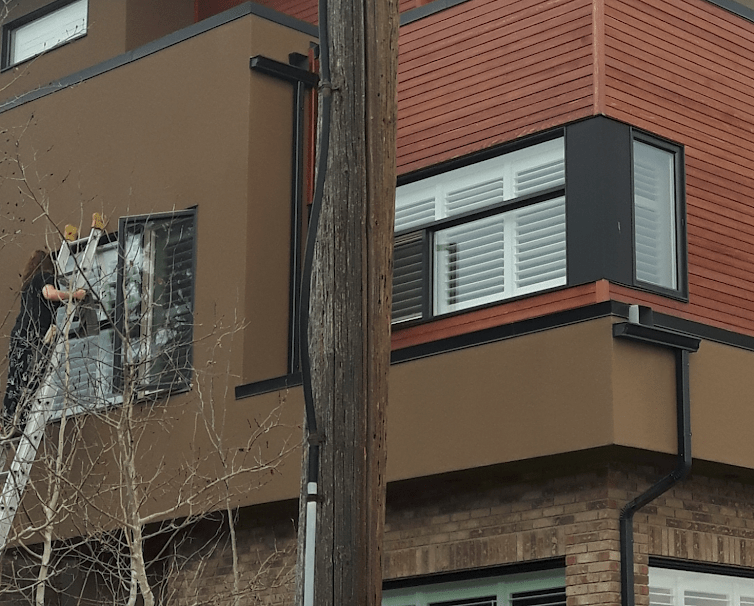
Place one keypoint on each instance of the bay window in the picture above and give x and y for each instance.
(598, 200)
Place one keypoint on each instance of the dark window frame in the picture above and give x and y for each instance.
(150, 391)
(11, 26)
(427, 232)
(681, 243)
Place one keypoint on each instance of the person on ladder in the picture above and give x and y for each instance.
(29, 352)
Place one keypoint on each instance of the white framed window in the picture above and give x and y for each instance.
(142, 289)
(481, 233)
(43, 30)
(655, 215)
(544, 588)
(670, 587)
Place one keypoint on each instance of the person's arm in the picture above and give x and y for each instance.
(51, 293)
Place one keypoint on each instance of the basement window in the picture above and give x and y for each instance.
(670, 587)
(43, 30)
(525, 589)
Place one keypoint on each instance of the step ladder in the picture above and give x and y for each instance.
(24, 448)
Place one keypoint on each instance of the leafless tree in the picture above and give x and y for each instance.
(106, 513)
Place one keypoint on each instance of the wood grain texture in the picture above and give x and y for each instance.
(680, 69)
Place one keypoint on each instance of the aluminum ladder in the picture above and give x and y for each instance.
(14, 480)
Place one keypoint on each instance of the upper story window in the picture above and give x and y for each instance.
(600, 200)
(488, 231)
(655, 213)
(42, 30)
(525, 589)
(140, 333)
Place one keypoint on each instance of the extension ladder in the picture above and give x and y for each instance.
(14, 480)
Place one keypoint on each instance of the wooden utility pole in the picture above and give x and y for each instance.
(349, 321)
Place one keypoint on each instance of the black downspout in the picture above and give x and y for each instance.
(301, 79)
(682, 345)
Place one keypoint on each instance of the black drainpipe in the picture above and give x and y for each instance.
(640, 327)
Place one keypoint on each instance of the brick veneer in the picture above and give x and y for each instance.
(559, 508)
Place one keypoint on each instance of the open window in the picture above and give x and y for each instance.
(39, 31)
(135, 333)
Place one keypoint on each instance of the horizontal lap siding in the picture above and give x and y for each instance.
(683, 69)
(488, 71)
(505, 313)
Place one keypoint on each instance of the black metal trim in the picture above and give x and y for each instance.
(702, 567)
(429, 9)
(480, 156)
(507, 331)
(554, 563)
(237, 12)
(300, 79)
(735, 7)
(268, 385)
(656, 336)
(283, 71)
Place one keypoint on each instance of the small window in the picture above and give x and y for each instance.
(481, 233)
(43, 30)
(656, 211)
(669, 587)
(139, 319)
(525, 589)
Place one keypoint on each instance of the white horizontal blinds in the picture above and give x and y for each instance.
(54, 28)
(485, 260)
(469, 264)
(540, 247)
(686, 588)
(408, 270)
(539, 168)
(654, 215)
(502, 256)
(415, 204)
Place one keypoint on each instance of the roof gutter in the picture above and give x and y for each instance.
(640, 327)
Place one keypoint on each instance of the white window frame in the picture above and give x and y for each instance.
(672, 587)
(44, 30)
(484, 193)
(498, 588)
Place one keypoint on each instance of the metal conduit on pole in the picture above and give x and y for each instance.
(640, 328)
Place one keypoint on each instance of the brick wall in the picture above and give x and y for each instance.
(515, 514)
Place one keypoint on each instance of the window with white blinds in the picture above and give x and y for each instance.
(47, 31)
(545, 588)
(480, 257)
(654, 216)
(686, 588)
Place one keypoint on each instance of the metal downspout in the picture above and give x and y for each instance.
(682, 346)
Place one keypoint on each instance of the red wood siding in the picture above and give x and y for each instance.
(682, 69)
(505, 313)
(488, 71)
